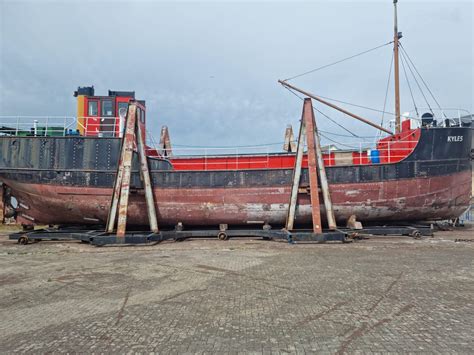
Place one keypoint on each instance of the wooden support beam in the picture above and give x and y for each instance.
(290, 218)
(146, 180)
(308, 130)
(323, 178)
(116, 193)
(126, 161)
(133, 137)
(308, 118)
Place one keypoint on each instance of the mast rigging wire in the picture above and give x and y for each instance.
(320, 132)
(355, 105)
(424, 82)
(339, 61)
(409, 86)
(386, 91)
(332, 120)
(332, 140)
(260, 145)
(344, 128)
(345, 135)
(418, 84)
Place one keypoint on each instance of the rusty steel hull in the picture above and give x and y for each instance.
(434, 182)
(403, 200)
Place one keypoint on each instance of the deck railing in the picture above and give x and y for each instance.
(455, 116)
(266, 157)
(231, 158)
(101, 126)
(37, 126)
(360, 152)
(96, 126)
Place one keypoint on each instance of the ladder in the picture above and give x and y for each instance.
(308, 132)
(133, 138)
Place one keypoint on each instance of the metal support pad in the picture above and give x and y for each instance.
(99, 237)
(411, 231)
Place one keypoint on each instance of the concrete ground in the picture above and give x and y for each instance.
(383, 295)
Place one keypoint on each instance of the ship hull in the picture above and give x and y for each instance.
(403, 200)
(433, 182)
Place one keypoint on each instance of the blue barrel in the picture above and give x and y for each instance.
(72, 132)
(375, 156)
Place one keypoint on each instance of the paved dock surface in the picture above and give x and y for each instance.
(384, 295)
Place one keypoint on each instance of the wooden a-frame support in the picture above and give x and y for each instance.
(165, 142)
(133, 137)
(289, 146)
(308, 132)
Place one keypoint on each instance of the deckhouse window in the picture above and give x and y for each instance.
(142, 116)
(122, 108)
(107, 108)
(93, 108)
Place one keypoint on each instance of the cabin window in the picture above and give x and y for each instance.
(142, 116)
(93, 108)
(122, 109)
(107, 108)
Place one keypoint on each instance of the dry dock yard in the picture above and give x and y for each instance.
(383, 295)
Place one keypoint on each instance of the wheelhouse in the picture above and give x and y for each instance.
(104, 116)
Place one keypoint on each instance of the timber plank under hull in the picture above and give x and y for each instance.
(62, 180)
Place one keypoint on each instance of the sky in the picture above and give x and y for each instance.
(209, 70)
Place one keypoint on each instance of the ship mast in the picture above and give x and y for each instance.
(396, 37)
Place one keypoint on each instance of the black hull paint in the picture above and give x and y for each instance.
(93, 162)
(78, 163)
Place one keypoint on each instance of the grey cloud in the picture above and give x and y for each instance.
(208, 70)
